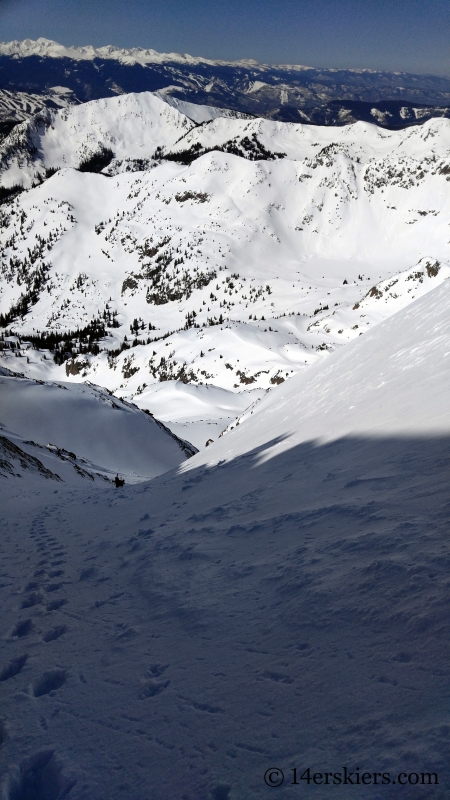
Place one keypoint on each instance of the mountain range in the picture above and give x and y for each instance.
(190, 266)
(46, 74)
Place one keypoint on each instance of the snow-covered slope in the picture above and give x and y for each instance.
(80, 431)
(196, 112)
(132, 126)
(280, 605)
(394, 382)
(235, 255)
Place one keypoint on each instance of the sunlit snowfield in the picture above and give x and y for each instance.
(256, 268)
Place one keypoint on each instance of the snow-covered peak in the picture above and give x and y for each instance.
(135, 55)
(131, 126)
(47, 48)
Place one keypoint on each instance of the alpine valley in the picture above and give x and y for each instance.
(189, 262)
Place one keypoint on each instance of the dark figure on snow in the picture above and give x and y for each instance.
(119, 481)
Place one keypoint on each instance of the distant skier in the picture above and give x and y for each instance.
(119, 481)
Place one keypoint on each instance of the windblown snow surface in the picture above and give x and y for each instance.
(279, 602)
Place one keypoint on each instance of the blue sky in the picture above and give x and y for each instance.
(410, 35)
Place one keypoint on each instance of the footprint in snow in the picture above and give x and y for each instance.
(53, 587)
(13, 668)
(48, 682)
(23, 628)
(156, 670)
(39, 776)
(152, 687)
(88, 572)
(31, 600)
(278, 677)
(56, 604)
(54, 633)
(32, 585)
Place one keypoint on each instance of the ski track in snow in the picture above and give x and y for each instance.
(279, 601)
(291, 613)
